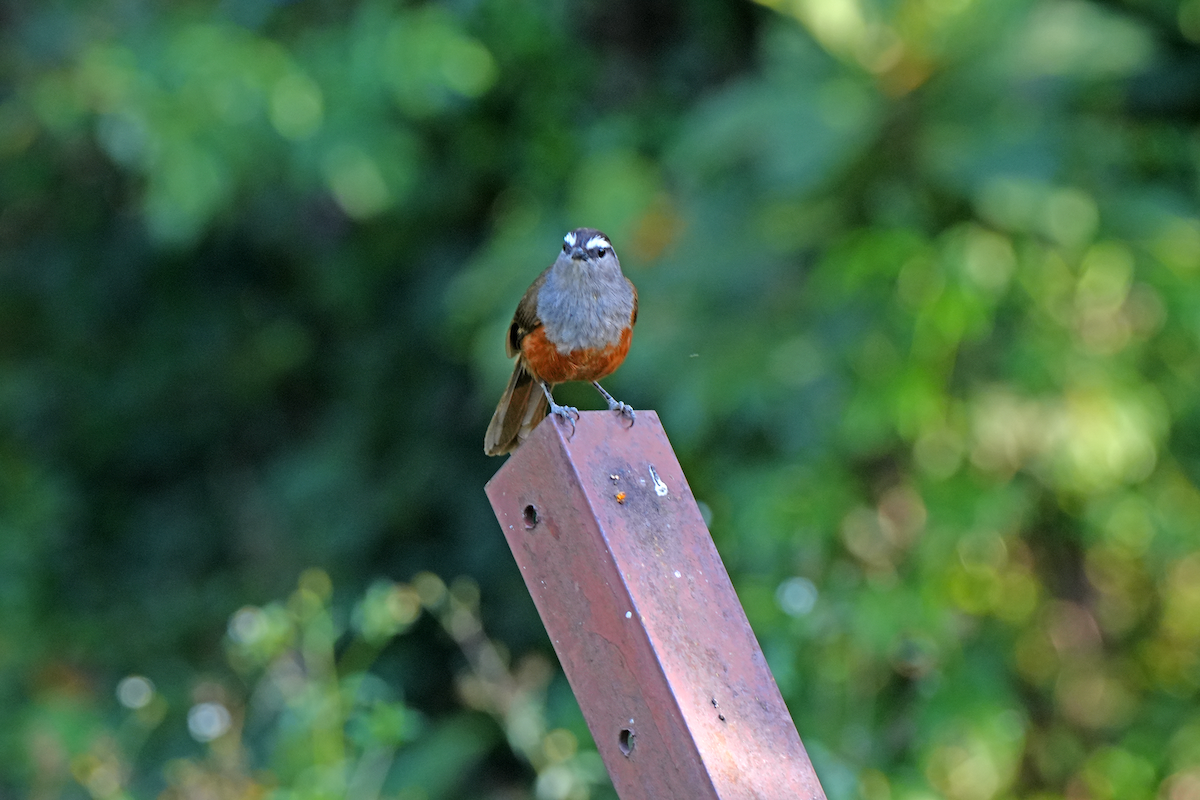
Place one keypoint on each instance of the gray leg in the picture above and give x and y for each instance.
(615, 404)
(569, 413)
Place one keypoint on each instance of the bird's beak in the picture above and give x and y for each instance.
(578, 253)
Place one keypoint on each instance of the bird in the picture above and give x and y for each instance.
(574, 323)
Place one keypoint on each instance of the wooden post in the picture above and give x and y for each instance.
(643, 617)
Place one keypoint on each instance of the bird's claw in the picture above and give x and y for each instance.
(616, 405)
(624, 409)
(569, 413)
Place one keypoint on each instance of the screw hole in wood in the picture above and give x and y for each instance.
(530, 515)
(625, 741)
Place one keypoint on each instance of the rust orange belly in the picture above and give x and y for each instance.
(551, 366)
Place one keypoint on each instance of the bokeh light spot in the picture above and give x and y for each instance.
(135, 692)
(247, 625)
(1115, 773)
(1178, 242)
(1071, 217)
(988, 259)
(797, 362)
(208, 721)
(126, 138)
(559, 745)
(386, 610)
(356, 182)
(297, 106)
(1093, 697)
(467, 67)
(796, 596)
(1107, 273)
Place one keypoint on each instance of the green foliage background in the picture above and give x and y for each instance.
(920, 310)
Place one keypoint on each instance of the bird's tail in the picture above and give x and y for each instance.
(521, 408)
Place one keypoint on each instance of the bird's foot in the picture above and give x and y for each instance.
(614, 404)
(624, 409)
(569, 413)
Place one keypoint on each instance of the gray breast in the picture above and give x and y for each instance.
(584, 305)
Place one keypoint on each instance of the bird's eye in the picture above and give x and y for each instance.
(600, 251)
(564, 247)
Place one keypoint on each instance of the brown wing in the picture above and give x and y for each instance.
(632, 288)
(526, 319)
(521, 408)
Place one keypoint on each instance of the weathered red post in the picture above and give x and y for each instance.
(643, 617)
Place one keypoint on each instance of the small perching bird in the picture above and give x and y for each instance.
(574, 323)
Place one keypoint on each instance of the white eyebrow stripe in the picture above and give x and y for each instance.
(569, 239)
(597, 241)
